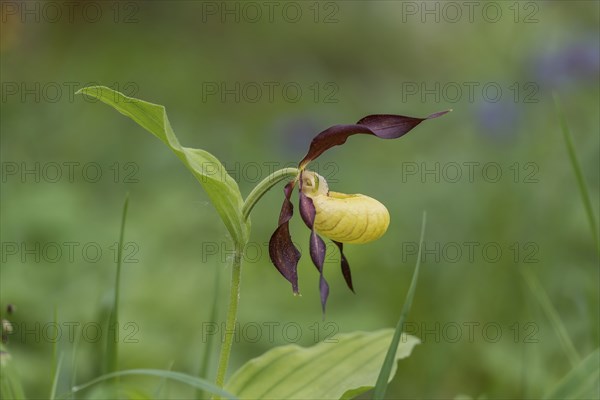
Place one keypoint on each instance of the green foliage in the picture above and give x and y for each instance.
(390, 360)
(583, 382)
(122, 392)
(220, 187)
(208, 347)
(576, 165)
(55, 377)
(553, 315)
(167, 293)
(189, 380)
(10, 384)
(341, 369)
(112, 338)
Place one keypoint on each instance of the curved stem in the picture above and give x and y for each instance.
(234, 298)
(236, 269)
(264, 186)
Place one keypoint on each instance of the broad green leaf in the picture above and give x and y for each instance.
(328, 370)
(221, 188)
(582, 382)
(176, 376)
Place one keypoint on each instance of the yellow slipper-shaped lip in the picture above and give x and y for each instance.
(350, 218)
(345, 218)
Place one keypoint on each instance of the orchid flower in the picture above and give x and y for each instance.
(342, 218)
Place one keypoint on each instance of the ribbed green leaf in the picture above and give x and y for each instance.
(340, 370)
(583, 382)
(221, 188)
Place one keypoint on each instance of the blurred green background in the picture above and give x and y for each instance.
(483, 332)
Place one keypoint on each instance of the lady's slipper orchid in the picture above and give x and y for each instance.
(343, 218)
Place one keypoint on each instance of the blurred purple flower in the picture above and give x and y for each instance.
(498, 120)
(574, 62)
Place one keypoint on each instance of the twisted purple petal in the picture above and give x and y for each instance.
(283, 253)
(317, 245)
(345, 266)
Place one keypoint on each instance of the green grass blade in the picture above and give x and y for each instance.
(582, 382)
(382, 380)
(162, 390)
(10, 383)
(55, 367)
(55, 378)
(74, 355)
(552, 314)
(112, 337)
(176, 376)
(583, 190)
(208, 346)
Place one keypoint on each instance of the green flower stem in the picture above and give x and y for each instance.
(264, 186)
(234, 298)
(236, 268)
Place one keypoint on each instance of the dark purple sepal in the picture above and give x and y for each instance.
(317, 245)
(384, 126)
(287, 209)
(284, 255)
(307, 210)
(345, 266)
(317, 255)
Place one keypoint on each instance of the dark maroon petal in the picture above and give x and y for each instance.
(384, 126)
(345, 266)
(317, 245)
(283, 253)
(287, 209)
(317, 251)
(390, 126)
(307, 210)
(317, 254)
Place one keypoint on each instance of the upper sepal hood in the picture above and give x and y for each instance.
(384, 126)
